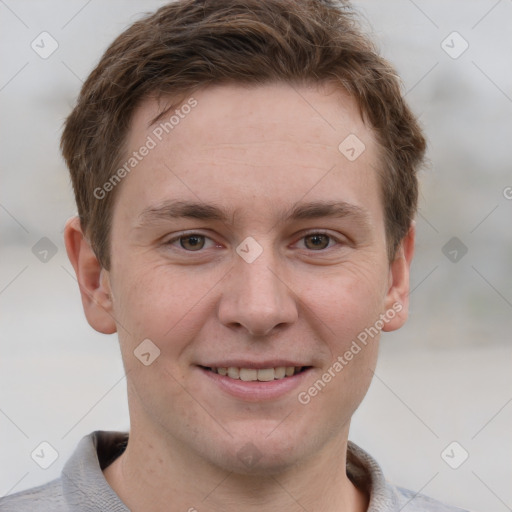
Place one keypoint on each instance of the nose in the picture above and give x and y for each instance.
(257, 297)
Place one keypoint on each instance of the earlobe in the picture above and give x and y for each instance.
(397, 298)
(93, 280)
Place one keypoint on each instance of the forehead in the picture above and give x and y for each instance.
(237, 113)
(274, 142)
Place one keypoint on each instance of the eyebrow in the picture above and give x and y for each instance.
(176, 209)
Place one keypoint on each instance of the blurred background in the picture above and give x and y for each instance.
(444, 378)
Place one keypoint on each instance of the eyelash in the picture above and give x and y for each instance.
(192, 233)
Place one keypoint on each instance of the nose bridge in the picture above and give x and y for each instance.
(258, 297)
(260, 281)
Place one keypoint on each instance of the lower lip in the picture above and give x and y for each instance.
(256, 391)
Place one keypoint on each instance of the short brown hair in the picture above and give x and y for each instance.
(191, 44)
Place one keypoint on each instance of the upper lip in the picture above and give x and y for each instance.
(257, 365)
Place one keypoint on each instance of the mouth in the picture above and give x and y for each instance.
(257, 374)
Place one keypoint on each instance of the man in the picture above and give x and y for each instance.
(245, 176)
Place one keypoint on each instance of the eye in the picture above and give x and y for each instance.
(192, 242)
(318, 241)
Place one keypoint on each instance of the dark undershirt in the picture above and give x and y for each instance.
(111, 448)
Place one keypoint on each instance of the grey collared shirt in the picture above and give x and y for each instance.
(82, 486)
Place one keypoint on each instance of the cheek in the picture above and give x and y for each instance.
(168, 307)
(145, 307)
(339, 390)
(346, 301)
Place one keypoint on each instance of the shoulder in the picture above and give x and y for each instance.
(366, 474)
(420, 503)
(38, 499)
(81, 486)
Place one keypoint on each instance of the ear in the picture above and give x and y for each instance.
(93, 280)
(397, 297)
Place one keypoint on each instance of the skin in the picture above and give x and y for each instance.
(257, 152)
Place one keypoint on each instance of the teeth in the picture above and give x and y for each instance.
(279, 372)
(262, 375)
(248, 374)
(233, 372)
(266, 374)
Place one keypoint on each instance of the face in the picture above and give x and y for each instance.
(245, 242)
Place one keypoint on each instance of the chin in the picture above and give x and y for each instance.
(260, 454)
(250, 461)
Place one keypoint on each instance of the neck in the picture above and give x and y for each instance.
(152, 476)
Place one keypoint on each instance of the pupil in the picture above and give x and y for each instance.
(318, 240)
(192, 241)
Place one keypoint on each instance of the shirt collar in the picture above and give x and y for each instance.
(84, 484)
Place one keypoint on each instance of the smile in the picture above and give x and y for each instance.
(261, 374)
